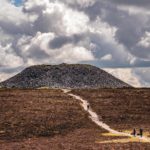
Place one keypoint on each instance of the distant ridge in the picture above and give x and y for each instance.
(64, 76)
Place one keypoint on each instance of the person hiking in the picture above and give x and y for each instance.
(88, 106)
(134, 132)
(141, 132)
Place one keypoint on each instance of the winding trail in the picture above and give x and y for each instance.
(95, 118)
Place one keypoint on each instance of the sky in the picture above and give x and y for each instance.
(18, 2)
(110, 34)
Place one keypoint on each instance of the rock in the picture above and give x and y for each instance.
(64, 76)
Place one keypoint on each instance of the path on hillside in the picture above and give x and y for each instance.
(94, 117)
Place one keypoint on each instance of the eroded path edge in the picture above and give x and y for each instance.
(95, 118)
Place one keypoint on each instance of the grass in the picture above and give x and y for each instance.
(49, 119)
(122, 109)
(126, 140)
(28, 113)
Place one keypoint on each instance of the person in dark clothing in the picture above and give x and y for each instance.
(141, 132)
(88, 107)
(134, 132)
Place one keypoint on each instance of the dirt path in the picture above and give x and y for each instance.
(95, 118)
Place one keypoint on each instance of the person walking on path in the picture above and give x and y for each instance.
(88, 107)
(134, 132)
(141, 132)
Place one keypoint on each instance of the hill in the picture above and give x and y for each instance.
(64, 76)
(50, 119)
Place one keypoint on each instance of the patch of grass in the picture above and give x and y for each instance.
(28, 113)
(111, 135)
(122, 109)
(126, 140)
(49, 119)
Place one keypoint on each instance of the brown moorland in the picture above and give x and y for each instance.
(51, 120)
(28, 113)
(122, 109)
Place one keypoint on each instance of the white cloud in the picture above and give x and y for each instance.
(143, 75)
(8, 13)
(145, 40)
(81, 3)
(7, 58)
(137, 77)
(4, 76)
(74, 31)
(78, 23)
(40, 45)
(56, 17)
(126, 75)
(71, 54)
(107, 57)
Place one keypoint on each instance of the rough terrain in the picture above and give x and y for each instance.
(50, 119)
(120, 108)
(64, 76)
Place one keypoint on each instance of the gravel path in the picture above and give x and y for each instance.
(95, 118)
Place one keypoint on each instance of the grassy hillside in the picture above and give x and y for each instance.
(39, 113)
(121, 108)
(49, 119)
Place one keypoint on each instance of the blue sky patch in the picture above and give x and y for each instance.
(18, 2)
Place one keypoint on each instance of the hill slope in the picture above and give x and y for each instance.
(64, 76)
